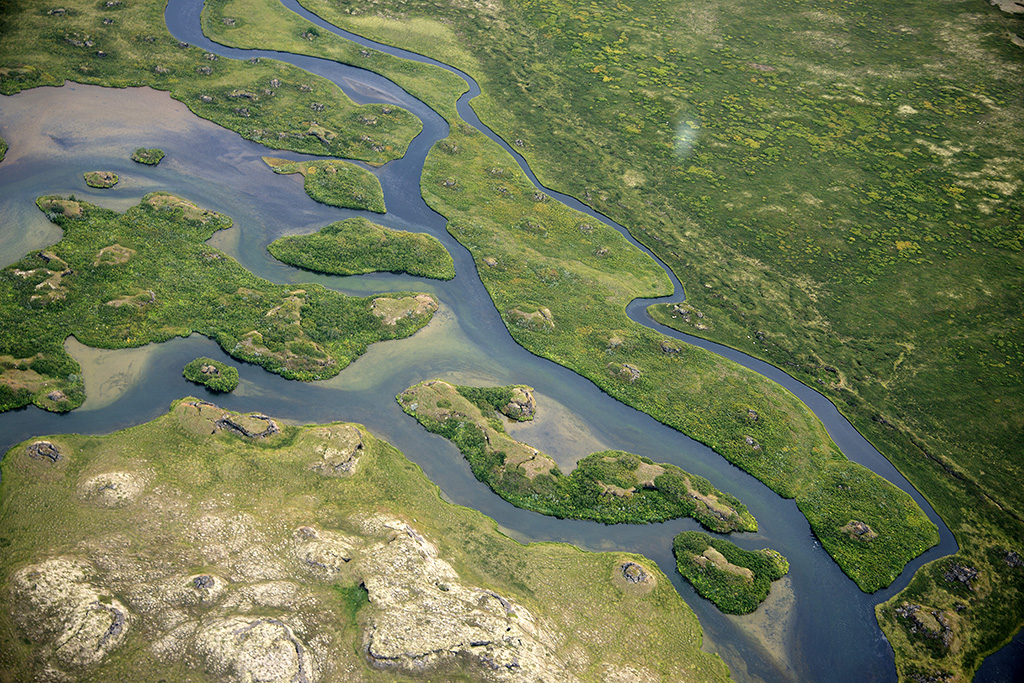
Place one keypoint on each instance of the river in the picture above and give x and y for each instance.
(816, 625)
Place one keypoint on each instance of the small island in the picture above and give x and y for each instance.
(101, 179)
(355, 246)
(150, 157)
(335, 183)
(736, 580)
(613, 487)
(212, 374)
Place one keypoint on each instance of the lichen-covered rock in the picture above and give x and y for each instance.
(113, 489)
(55, 602)
(263, 649)
(422, 616)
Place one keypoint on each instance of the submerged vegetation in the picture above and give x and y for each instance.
(736, 580)
(355, 245)
(125, 44)
(149, 157)
(214, 545)
(335, 183)
(212, 374)
(120, 280)
(612, 487)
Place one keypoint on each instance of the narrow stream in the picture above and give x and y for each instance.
(816, 625)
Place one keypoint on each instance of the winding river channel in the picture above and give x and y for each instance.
(815, 625)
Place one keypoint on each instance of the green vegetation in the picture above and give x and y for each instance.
(837, 184)
(612, 487)
(3, 148)
(269, 25)
(149, 157)
(104, 179)
(562, 282)
(335, 183)
(120, 280)
(127, 44)
(212, 374)
(736, 580)
(203, 519)
(355, 245)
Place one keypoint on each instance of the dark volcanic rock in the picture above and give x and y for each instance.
(44, 449)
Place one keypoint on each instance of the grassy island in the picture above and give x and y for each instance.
(335, 183)
(125, 44)
(101, 179)
(149, 157)
(212, 545)
(355, 246)
(612, 487)
(119, 280)
(212, 374)
(736, 580)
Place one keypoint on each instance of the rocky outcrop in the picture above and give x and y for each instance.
(858, 531)
(336, 449)
(245, 649)
(43, 450)
(423, 617)
(57, 605)
(523, 405)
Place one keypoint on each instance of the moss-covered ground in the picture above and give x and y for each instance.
(736, 580)
(127, 44)
(335, 183)
(193, 508)
(212, 374)
(119, 280)
(355, 245)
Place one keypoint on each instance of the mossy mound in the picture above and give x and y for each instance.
(150, 157)
(212, 374)
(736, 580)
(335, 183)
(355, 246)
(101, 179)
(612, 487)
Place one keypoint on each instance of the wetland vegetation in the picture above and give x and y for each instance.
(212, 374)
(101, 179)
(736, 580)
(127, 44)
(212, 545)
(149, 157)
(355, 245)
(612, 487)
(120, 280)
(335, 183)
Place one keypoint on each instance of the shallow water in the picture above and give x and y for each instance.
(56, 134)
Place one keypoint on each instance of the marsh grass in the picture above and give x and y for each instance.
(122, 280)
(736, 580)
(212, 374)
(127, 44)
(355, 245)
(335, 183)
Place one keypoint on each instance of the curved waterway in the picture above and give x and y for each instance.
(816, 625)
